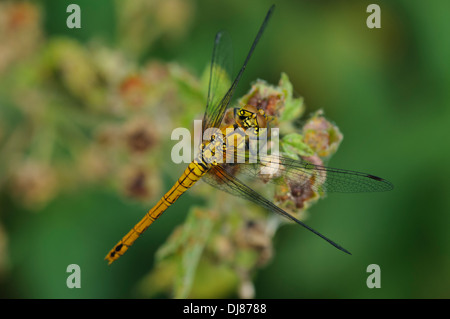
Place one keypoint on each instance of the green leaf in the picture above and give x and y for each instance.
(293, 146)
(293, 106)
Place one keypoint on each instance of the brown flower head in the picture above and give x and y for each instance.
(140, 135)
(139, 183)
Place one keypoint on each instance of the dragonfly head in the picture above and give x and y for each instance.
(250, 117)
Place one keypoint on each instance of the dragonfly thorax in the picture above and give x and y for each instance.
(211, 150)
(230, 142)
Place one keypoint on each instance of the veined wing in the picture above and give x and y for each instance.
(301, 173)
(217, 103)
(333, 179)
(220, 78)
(218, 177)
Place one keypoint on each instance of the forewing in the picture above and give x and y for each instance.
(220, 78)
(218, 103)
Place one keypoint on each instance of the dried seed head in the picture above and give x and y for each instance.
(139, 183)
(140, 135)
(254, 235)
(155, 72)
(266, 97)
(20, 31)
(33, 183)
(107, 135)
(133, 91)
(94, 164)
(323, 137)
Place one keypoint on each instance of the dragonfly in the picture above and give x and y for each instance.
(223, 175)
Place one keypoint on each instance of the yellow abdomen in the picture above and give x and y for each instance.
(191, 175)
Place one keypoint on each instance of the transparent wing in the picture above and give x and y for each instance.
(301, 173)
(219, 177)
(333, 179)
(217, 103)
(220, 78)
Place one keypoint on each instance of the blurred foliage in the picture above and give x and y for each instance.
(85, 116)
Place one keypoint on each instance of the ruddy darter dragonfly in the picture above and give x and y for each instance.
(222, 175)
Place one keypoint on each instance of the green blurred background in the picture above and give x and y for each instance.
(387, 89)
